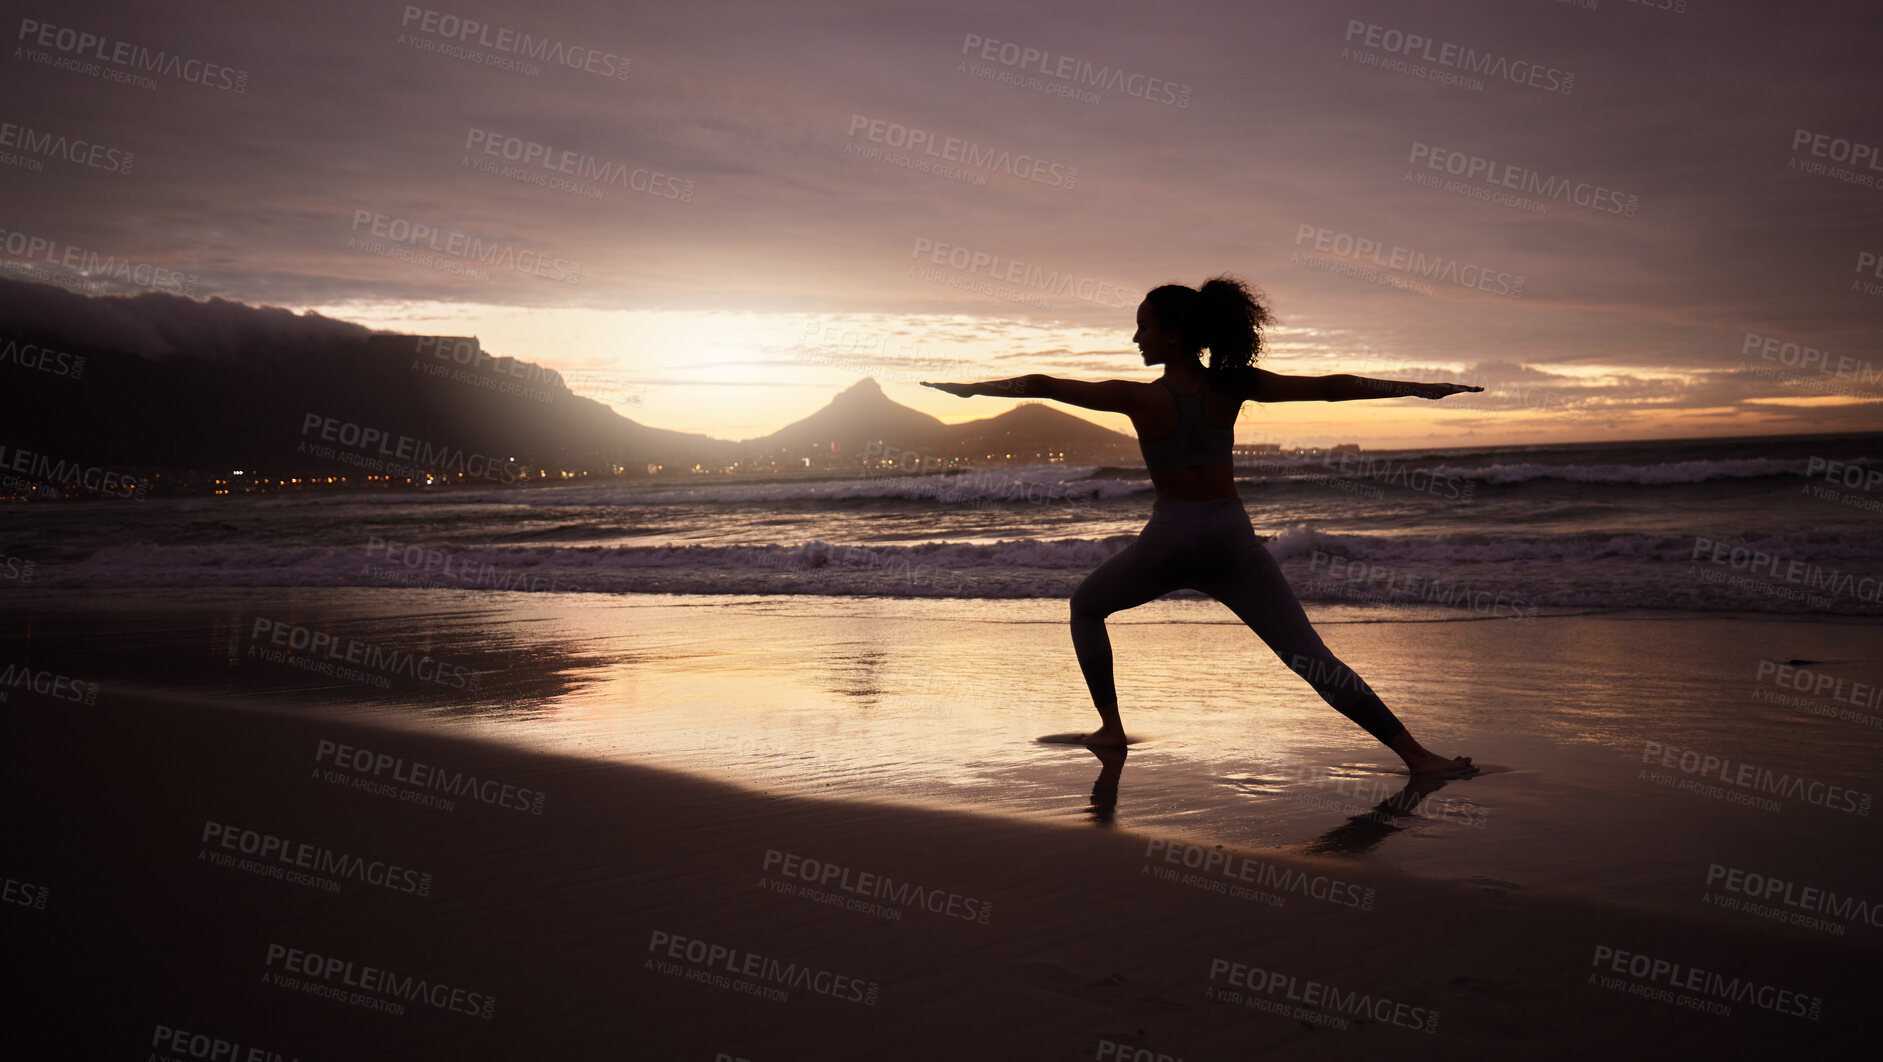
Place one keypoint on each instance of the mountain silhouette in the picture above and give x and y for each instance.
(863, 420)
(199, 388)
(858, 414)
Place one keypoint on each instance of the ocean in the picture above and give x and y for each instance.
(1564, 614)
(1788, 525)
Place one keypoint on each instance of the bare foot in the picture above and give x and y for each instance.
(1433, 765)
(1108, 736)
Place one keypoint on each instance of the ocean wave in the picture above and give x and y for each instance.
(1647, 475)
(1371, 465)
(1643, 571)
(1022, 483)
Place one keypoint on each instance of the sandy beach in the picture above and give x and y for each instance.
(568, 530)
(275, 872)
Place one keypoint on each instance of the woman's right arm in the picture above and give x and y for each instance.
(1114, 396)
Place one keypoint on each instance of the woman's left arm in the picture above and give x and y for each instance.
(1344, 387)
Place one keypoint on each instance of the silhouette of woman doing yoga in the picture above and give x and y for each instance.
(1199, 536)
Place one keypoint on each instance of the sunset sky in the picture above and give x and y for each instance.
(699, 212)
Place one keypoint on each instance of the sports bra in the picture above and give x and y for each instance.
(1195, 442)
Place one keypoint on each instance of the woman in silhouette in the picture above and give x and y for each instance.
(1199, 536)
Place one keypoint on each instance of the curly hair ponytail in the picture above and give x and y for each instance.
(1225, 315)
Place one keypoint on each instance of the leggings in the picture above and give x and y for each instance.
(1209, 546)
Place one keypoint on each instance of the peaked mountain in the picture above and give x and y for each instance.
(862, 415)
(859, 414)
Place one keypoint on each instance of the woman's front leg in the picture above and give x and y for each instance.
(1124, 581)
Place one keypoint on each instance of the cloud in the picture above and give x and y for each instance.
(1691, 118)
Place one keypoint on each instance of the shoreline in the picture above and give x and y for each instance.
(645, 910)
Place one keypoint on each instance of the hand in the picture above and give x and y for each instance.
(959, 390)
(1440, 390)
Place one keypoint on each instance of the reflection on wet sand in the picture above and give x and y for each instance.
(1360, 832)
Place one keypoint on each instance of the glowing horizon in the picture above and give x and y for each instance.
(795, 364)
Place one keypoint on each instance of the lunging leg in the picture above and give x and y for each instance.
(1126, 580)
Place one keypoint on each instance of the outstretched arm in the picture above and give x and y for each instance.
(1116, 396)
(1015, 387)
(1344, 387)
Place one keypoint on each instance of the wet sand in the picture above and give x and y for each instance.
(640, 913)
(827, 829)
